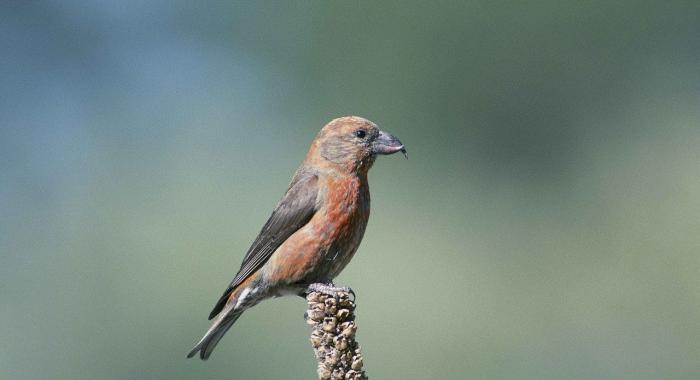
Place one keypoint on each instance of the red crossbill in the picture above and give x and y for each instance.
(315, 229)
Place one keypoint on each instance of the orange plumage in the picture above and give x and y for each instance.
(315, 229)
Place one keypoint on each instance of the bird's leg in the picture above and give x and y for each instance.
(328, 288)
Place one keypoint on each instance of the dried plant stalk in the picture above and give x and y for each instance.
(331, 315)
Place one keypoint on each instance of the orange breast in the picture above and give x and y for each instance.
(322, 248)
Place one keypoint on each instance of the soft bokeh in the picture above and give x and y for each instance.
(546, 226)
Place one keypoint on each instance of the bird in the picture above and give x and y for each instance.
(314, 230)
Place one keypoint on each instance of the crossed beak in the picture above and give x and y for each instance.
(387, 144)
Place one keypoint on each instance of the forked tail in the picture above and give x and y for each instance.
(218, 328)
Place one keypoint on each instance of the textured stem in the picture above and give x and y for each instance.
(331, 315)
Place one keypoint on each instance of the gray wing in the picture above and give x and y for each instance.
(295, 209)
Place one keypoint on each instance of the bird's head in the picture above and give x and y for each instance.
(352, 143)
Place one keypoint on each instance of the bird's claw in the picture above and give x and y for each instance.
(329, 289)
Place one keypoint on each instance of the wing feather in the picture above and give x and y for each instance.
(295, 209)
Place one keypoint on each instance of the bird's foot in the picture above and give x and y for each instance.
(329, 289)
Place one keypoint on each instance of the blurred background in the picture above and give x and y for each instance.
(546, 226)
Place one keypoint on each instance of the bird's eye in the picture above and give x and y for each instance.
(360, 133)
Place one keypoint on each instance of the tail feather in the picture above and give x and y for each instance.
(218, 328)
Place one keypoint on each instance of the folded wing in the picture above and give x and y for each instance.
(295, 209)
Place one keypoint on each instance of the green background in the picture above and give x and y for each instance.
(546, 226)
